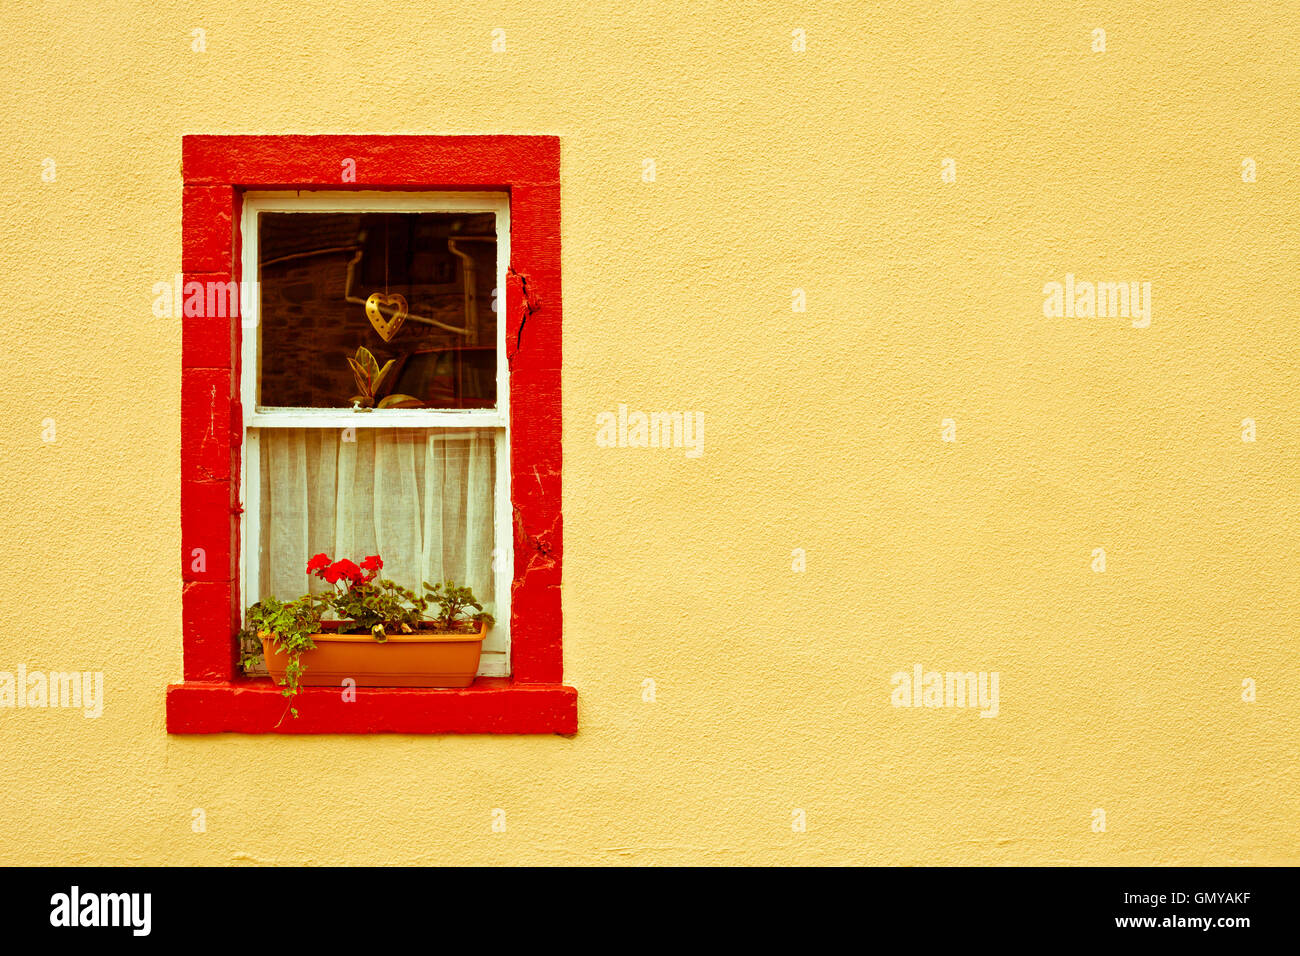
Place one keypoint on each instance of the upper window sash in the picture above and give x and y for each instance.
(327, 201)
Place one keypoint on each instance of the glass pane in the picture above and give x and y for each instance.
(421, 499)
(334, 282)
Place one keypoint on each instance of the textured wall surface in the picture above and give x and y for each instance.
(1124, 690)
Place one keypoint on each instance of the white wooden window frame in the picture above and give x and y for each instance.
(495, 660)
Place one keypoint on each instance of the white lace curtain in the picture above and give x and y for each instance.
(422, 499)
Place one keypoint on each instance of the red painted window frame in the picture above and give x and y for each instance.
(214, 696)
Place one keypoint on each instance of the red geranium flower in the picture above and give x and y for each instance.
(319, 561)
(344, 569)
(371, 566)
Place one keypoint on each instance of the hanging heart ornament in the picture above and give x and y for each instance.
(387, 328)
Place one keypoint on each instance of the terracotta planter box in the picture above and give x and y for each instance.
(423, 659)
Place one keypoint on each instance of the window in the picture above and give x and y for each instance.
(416, 472)
(452, 467)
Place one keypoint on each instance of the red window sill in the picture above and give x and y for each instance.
(491, 705)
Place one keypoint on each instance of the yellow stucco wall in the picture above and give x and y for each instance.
(776, 170)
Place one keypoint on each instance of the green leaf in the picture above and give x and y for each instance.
(362, 378)
(369, 362)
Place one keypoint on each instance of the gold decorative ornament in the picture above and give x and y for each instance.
(387, 328)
